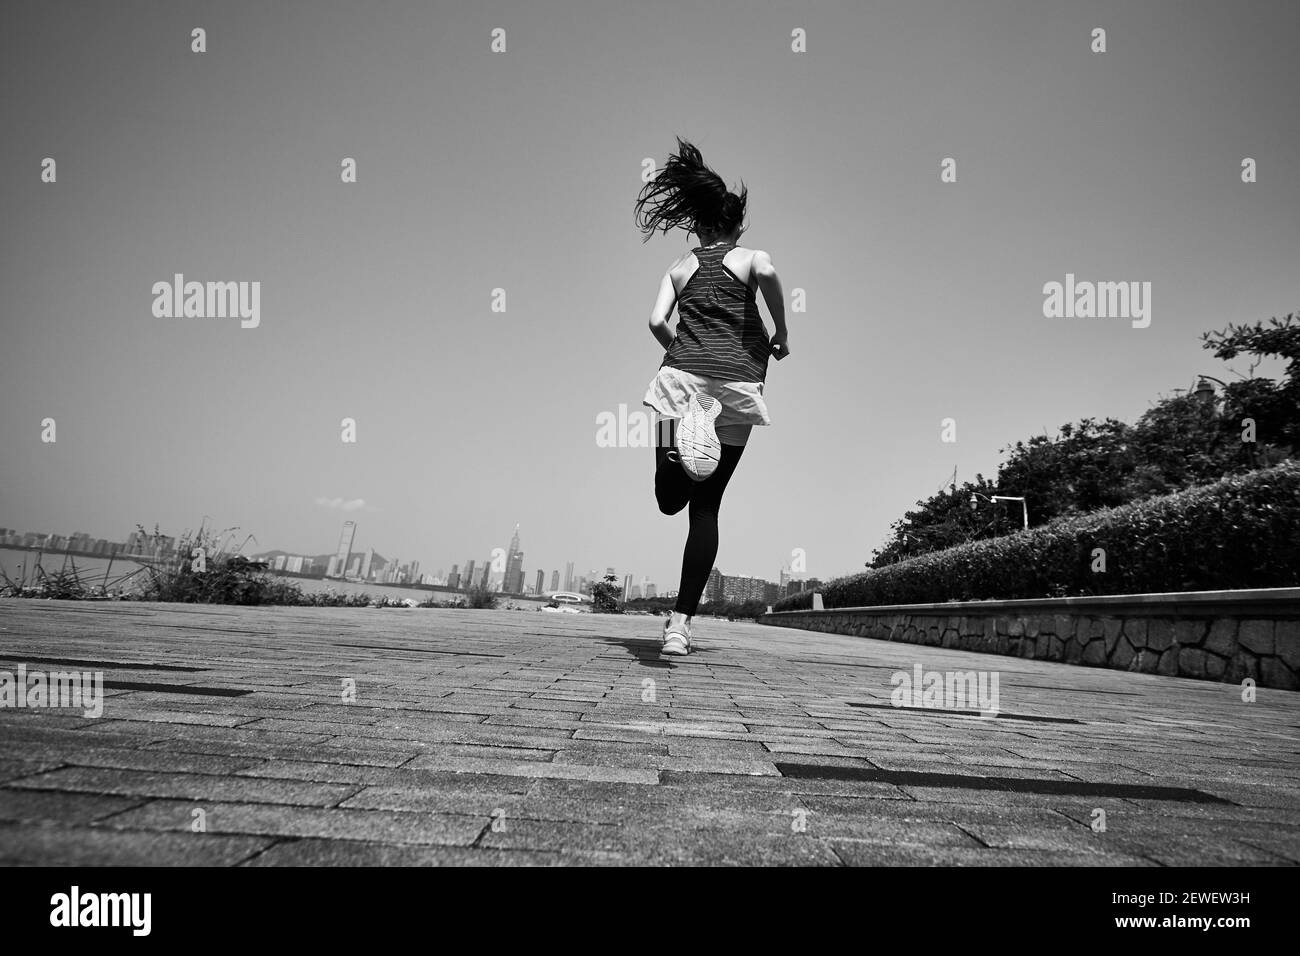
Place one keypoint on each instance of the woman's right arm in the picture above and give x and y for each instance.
(770, 284)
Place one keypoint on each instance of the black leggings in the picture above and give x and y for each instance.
(674, 490)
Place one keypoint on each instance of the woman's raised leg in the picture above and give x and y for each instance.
(672, 485)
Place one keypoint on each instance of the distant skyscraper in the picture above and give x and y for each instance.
(513, 583)
(568, 576)
(627, 586)
(555, 581)
(365, 565)
(345, 544)
(487, 572)
(514, 578)
(469, 574)
(650, 591)
(541, 580)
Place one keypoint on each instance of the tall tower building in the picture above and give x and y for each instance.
(627, 586)
(365, 565)
(513, 583)
(344, 552)
(469, 574)
(568, 576)
(555, 581)
(541, 580)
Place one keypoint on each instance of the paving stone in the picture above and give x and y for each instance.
(196, 787)
(314, 852)
(84, 846)
(31, 806)
(379, 826)
(534, 768)
(476, 802)
(855, 853)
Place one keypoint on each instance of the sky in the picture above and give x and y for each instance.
(517, 170)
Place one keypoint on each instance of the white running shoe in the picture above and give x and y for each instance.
(677, 640)
(697, 443)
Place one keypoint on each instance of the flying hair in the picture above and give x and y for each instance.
(689, 195)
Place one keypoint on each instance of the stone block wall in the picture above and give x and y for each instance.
(1209, 639)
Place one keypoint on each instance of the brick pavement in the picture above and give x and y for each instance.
(524, 738)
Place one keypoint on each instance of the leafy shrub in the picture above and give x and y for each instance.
(480, 598)
(227, 579)
(1240, 532)
(222, 578)
(605, 596)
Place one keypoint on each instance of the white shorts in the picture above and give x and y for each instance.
(743, 407)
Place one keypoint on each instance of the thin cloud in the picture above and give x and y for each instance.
(340, 504)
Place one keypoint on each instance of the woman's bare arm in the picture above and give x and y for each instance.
(770, 284)
(665, 301)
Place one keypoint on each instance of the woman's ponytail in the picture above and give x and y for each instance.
(688, 194)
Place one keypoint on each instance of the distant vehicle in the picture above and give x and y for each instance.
(568, 597)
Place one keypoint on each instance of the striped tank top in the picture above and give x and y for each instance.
(719, 331)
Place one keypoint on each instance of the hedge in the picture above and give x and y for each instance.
(1240, 532)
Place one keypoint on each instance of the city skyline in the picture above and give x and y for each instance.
(440, 280)
(359, 565)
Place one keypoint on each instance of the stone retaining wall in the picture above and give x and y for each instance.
(1212, 635)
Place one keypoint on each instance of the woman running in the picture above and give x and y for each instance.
(709, 389)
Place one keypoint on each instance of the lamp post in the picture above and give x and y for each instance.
(1205, 391)
(974, 503)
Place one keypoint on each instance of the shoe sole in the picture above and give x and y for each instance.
(697, 442)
